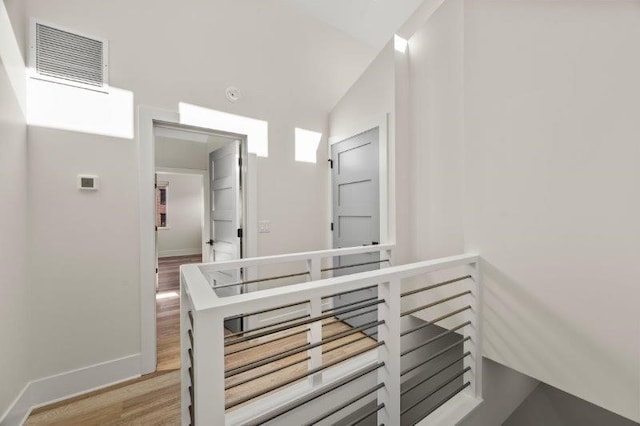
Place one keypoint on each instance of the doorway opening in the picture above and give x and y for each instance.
(199, 216)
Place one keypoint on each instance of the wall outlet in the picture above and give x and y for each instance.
(264, 226)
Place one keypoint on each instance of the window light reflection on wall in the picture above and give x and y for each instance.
(307, 143)
(257, 131)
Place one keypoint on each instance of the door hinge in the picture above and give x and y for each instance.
(332, 226)
(330, 163)
(156, 229)
(156, 270)
(239, 232)
(240, 161)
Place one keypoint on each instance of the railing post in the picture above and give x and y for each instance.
(315, 336)
(389, 332)
(315, 329)
(209, 367)
(388, 255)
(185, 345)
(475, 332)
(314, 265)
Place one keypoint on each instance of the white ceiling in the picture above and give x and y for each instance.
(372, 21)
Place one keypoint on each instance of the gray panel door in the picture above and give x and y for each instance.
(356, 212)
(226, 216)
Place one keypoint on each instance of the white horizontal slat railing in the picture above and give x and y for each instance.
(404, 352)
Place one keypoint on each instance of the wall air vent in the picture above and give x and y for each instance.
(67, 57)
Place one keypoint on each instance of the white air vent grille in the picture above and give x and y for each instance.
(74, 58)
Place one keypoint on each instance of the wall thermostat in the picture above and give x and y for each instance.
(87, 182)
(233, 94)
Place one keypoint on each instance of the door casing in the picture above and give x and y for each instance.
(148, 117)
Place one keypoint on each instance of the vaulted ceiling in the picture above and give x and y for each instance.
(372, 21)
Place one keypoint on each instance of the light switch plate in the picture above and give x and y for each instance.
(264, 226)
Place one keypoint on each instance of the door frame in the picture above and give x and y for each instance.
(382, 123)
(148, 117)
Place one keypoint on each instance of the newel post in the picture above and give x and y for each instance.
(209, 367)
(389, 332)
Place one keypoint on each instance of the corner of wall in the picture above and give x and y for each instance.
(14, 318)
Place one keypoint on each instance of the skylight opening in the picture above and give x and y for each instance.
(400, 43)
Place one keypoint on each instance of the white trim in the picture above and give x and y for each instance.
(19, 410)
(58, 387)
(146, 179)
(147, 116)
(382, 123)
(179, 252)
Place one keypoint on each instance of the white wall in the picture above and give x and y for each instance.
(524, 146)
(83, 249)
(537, 174)
(436, 78)
(552, 98)
(14, 291)
(371, 95)
(165, 53)
(436, 117)
(185, 210)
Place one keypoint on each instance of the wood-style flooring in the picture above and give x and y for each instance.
(154, 399)
(168, 311)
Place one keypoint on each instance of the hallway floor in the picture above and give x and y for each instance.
(154, 399)
(168, 310)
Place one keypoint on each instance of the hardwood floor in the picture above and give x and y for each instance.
(168, 311)
(155, 399)
(169, 271)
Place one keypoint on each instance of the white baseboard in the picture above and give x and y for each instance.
(180, 252)
(19, 409)
(61, 386)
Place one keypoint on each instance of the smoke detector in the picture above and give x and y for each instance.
(233, 94)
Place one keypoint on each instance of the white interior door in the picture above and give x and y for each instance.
(226, 215)
(224, 175)
(356, 210)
